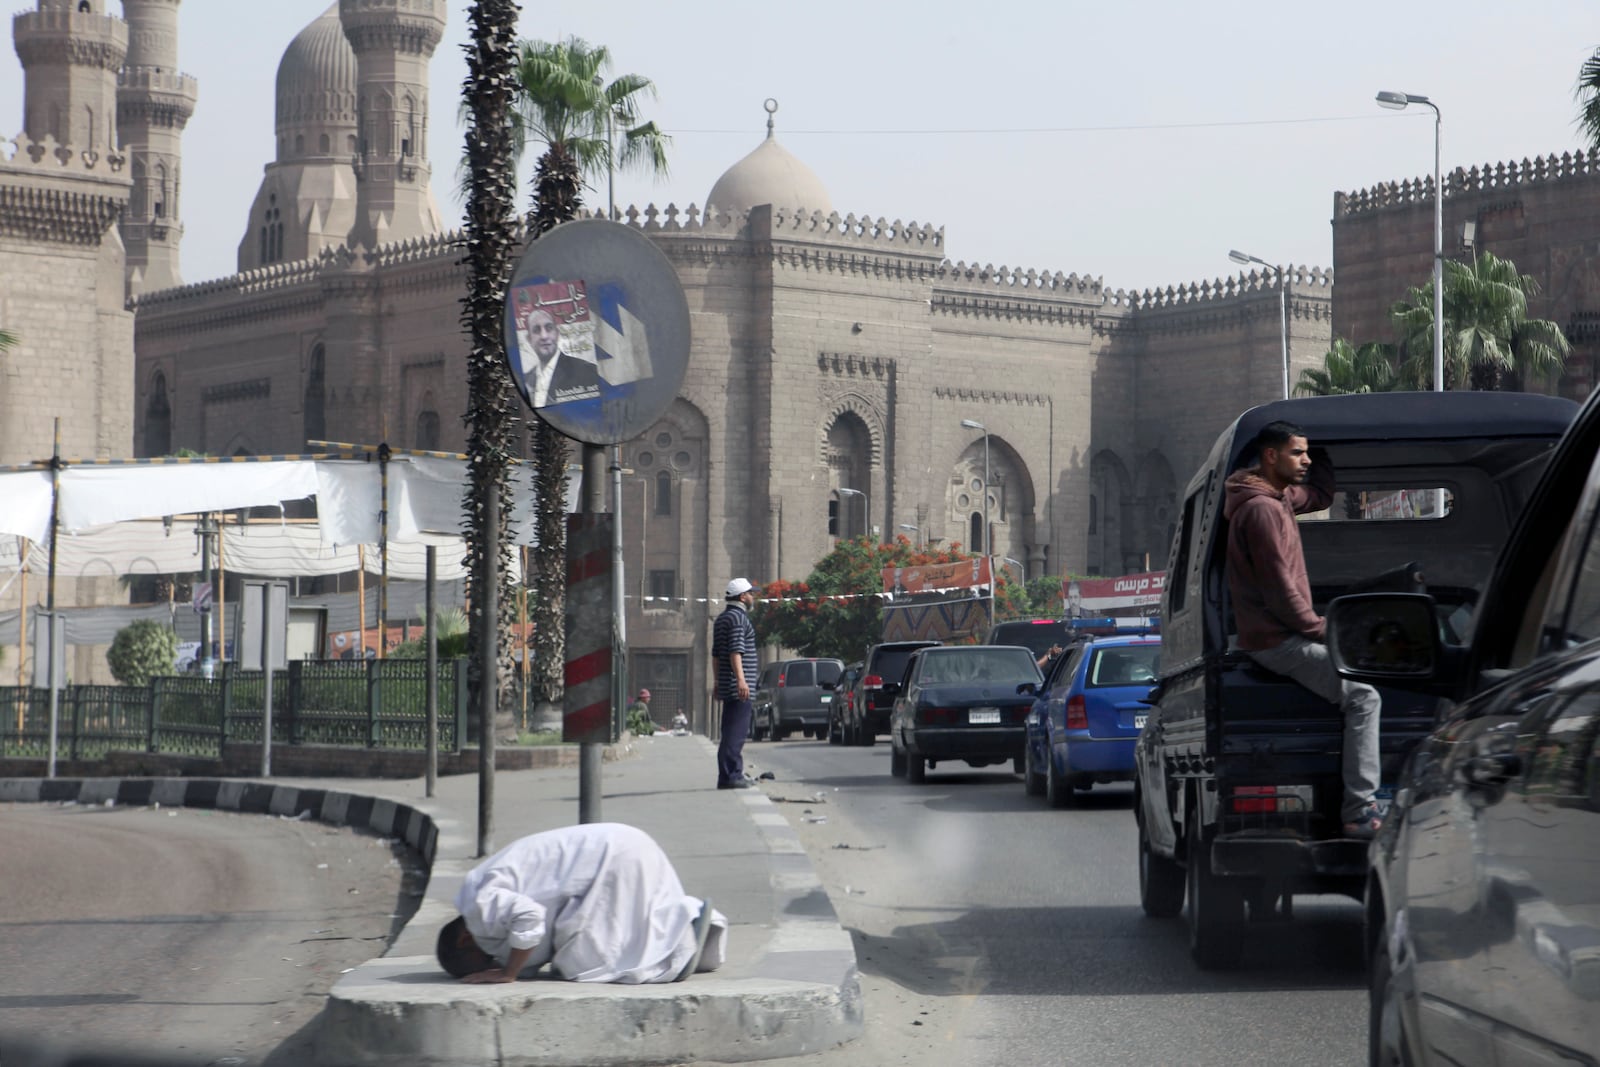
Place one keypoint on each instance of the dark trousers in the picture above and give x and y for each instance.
(730, 750)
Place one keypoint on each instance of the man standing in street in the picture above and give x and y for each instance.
(1278, 628)
(733, 647)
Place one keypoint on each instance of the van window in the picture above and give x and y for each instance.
(1358, 505)
(768, 676)
(828, 673)
(799, 674)
(1178, 576)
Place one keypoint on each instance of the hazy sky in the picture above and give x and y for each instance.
(1134, 142)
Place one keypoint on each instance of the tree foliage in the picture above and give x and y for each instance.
(1347, 368)
(1490, 343)
(141, 650)
(1588, 94)
(837, 611)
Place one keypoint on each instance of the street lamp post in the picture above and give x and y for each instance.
(973, 424)
(1397, 102)
(866, 509)
(1283, 308)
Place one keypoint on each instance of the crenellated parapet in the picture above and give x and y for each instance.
(1012, 293)
(1202, 292)
(155, 97)
(786, 222)
(1489, 178)
(53, 193)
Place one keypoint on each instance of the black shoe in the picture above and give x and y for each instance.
(740, 784)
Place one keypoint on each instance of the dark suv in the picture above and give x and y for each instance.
(881, 673)
(794, 694)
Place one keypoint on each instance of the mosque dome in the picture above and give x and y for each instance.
(317, 93)
(770, 175)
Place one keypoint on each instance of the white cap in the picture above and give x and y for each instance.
(738, 587)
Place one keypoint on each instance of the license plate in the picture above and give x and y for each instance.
(979, 716)
(1139, 721)
(827, 700)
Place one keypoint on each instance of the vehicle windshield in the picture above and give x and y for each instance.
(1124, 665)
(978, 664)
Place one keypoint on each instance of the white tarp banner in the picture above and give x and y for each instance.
(261, 549)
(25, 505)
(95, 496)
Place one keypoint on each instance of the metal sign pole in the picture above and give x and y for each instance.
(591, 753)
(50, 597)
(431, 638)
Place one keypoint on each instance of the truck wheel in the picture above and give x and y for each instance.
(1161, 883)
(897, 761)
(1057, 787)
(1216, 909)
(862, 735)
(835, 732)
(1032, 780)
(916, 769)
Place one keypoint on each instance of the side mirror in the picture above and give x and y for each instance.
(1027, 687)
(1384, 637)
(829, 685)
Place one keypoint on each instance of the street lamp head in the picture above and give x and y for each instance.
(1397, 101)
(974, 424)
(1239, 257)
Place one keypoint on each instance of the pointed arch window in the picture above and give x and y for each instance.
(313, 420)
(158, 419)
(427, 435)
(663, 493)
(976, 541)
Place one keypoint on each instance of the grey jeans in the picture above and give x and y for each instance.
(1307, 662)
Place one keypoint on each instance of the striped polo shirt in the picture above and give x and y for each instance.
(732, 634)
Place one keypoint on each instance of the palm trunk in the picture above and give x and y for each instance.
(557, 196)
(490, 241)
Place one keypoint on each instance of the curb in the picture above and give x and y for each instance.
(802, 996)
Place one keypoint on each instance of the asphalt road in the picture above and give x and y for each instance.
(182, 936)
(991, 929)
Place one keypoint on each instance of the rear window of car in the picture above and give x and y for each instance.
(799, 674)
(828, 673)
(1124, 665)
(977, 663)
(1037, 636)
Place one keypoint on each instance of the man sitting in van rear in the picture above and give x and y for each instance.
(1278, 628)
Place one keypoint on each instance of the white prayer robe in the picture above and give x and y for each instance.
(599, 902)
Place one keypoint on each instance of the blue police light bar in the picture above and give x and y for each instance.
(1111, 625)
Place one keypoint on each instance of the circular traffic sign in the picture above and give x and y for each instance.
(597, 330)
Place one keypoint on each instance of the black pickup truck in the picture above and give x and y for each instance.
(1238, 771)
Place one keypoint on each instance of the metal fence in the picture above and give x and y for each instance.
(372, 704)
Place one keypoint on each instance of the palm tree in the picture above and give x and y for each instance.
(1348, 369)
(490, 243)
(1489, 340)
(564, 102)
(1588, 94)
(7, 340)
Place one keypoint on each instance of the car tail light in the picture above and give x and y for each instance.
(782, 681)
(1017, 714)
(940, 716)
(1077, 713)
(1270, 799)
(872, 681)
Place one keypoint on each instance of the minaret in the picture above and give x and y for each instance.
(154, 103)
(71, 51)
(393, 41)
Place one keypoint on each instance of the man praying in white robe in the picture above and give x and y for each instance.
(599, 902)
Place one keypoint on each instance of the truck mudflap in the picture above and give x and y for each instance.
(1282, 857)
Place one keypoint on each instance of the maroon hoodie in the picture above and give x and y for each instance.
(1266, 565)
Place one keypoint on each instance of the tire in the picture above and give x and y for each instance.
(835, 732)
(863, 735)
(1032, 780)
(897, 761)
(1161, 881)
(916, 769)
(1216, 908)
(1386, 1022)
(1017, 766)
(1057, 788)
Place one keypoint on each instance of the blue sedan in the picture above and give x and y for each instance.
(1085, 720)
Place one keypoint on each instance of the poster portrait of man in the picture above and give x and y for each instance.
(555, 344)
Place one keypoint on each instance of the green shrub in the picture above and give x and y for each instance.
(140, 651)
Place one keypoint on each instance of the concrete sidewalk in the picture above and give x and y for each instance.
(789, 986)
